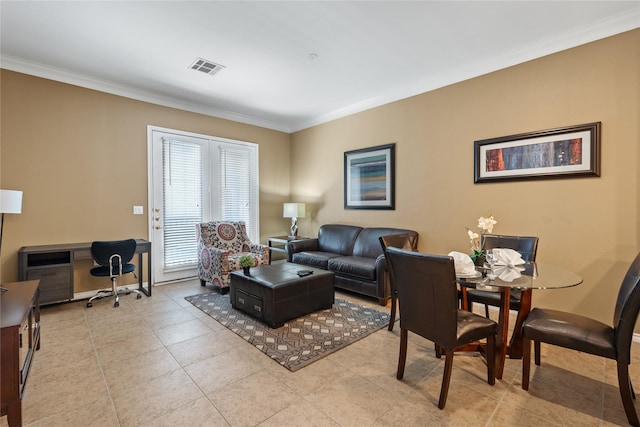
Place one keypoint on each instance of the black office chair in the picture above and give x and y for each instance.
(590, 336)
(429, 307)
(402, 241)
(527, 247)
(113, 258)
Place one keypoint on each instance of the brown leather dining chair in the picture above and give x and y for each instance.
(402, 241)
(519, 300)
(429, 307)
(527, 247)
(590, 336)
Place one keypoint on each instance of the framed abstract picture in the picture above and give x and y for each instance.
(568, 152)
(369, 178)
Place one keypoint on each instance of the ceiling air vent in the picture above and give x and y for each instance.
(206, 66)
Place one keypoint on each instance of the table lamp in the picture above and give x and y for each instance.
(294, 211)
(10, 202)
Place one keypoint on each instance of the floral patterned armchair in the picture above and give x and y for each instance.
(220, 246)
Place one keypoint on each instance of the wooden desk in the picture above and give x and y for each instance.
(20, 336)
(53, 266)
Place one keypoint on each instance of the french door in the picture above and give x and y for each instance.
(196, 178)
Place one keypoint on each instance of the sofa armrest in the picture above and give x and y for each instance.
(300, 246)
(382, 277)
(381, 265)
(381, 269)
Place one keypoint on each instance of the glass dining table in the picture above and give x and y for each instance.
(527, 277)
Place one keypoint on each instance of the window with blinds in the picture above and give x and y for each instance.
(183, 198)
(189, 199)
(237, 175)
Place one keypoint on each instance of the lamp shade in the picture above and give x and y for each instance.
(294, 210)
(10, 201)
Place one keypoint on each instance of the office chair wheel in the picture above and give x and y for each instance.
(89, 304)
(138, 296)
(116, 304)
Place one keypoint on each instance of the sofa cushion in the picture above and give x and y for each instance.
(337, 238)
(313, 258)
(354, 266)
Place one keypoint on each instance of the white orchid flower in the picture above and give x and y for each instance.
(477, 240)
(487, 223)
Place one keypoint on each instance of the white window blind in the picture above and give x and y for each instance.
(238, 185)
(182, 191)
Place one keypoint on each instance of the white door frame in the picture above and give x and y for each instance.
(210, 208)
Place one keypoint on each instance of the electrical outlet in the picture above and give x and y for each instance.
(138, 210)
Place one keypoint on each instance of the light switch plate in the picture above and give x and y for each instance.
(138, 210)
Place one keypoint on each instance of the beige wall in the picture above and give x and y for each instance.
(589, 225)
(80, 157)
(61, 145)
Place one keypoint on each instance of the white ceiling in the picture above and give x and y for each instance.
(368, 53)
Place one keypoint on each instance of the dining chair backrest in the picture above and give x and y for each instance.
(401, 241)
(427, 294)
(626, 311)
(526, 245)
(101, 251)
(404, 241)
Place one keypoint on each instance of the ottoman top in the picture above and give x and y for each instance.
(280, 274)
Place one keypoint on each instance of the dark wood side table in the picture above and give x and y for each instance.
(280, 242)
(20, 337)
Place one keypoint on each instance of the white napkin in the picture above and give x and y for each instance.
(506, 273)
(507, 257)
(508, 265)
(463, 263)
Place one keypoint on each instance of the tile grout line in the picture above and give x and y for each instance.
(104, 378)
(187, 373)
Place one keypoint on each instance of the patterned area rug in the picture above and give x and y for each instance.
(301, 341)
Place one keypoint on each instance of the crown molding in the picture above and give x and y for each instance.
(599, 30)
(605, 28)
(88, 82)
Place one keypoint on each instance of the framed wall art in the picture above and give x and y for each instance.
(567, 152)
(369, 178)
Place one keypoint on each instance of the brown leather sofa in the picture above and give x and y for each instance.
(353, 254)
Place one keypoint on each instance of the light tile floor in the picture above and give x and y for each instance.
(159, 361)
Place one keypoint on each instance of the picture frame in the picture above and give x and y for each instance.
(566, 152)
(369, 178)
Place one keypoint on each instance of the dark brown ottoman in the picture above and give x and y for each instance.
(275, 293)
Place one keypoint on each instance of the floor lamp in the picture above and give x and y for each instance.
(294, 211)
(11, 203)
